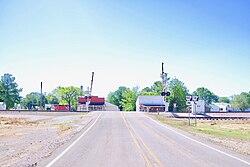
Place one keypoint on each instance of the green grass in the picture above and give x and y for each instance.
(239, 129)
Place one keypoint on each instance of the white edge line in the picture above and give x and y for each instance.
(199, 142)
(67, 149)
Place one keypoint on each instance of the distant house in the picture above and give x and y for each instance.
(151, 104)
(95, 103)
(224, 107)
(2, 106)
(110, 107)
(213, 108)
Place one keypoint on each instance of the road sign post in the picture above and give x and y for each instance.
(189, 100)
(195, 113)
(188, 110)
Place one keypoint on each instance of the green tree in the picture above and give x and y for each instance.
(116, 97)
(178, 95)
(154, 90)
(32, 100)
(206, 95)
(242, 101)
(9, 91)
(52, 99)
(224, 100)
(128, 100)
(157, 87)
(1, 92)
(69, 95)
(148, 92)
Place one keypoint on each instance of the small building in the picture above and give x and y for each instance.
(2, 106)
(59, 107)
(110, 107)
(151, 104)
(224, 107)
(199, 107)
(213, 108)
(95, 103)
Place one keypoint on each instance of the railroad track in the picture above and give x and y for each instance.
(216, 118)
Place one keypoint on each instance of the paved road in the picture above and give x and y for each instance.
(119, 139)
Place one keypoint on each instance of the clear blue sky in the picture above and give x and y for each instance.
(203, 43)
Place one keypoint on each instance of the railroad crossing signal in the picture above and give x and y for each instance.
(165, 93)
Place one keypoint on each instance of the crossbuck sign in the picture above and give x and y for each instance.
(190, 99)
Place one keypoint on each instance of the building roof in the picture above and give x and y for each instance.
(94, 100)
(222, 104)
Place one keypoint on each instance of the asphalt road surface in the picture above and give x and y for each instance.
(120, 139)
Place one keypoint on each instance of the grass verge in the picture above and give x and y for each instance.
(235, 129)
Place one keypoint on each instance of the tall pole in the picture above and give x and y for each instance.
(41, 99)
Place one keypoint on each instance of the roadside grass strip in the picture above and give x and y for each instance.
(217, 128)
(196, 141)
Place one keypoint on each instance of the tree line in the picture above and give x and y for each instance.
(123, 96)
(10, 95)
(127, 97)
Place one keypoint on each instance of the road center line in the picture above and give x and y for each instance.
(159, 163)
(150, 152)
(189, 138)
(148, 164)
(67, 149)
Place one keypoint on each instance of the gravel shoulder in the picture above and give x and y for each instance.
(28, 138)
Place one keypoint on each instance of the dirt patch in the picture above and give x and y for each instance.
(26, 139)
(17, 121)
(64, 129)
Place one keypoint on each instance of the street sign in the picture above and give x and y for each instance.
(188, 103)
(188, 98)
(195, 98)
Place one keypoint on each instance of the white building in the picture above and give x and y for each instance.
(151, 104)
(224, 107)
(2, 106)
(110, 107)
(199, 107)
(214, 108)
